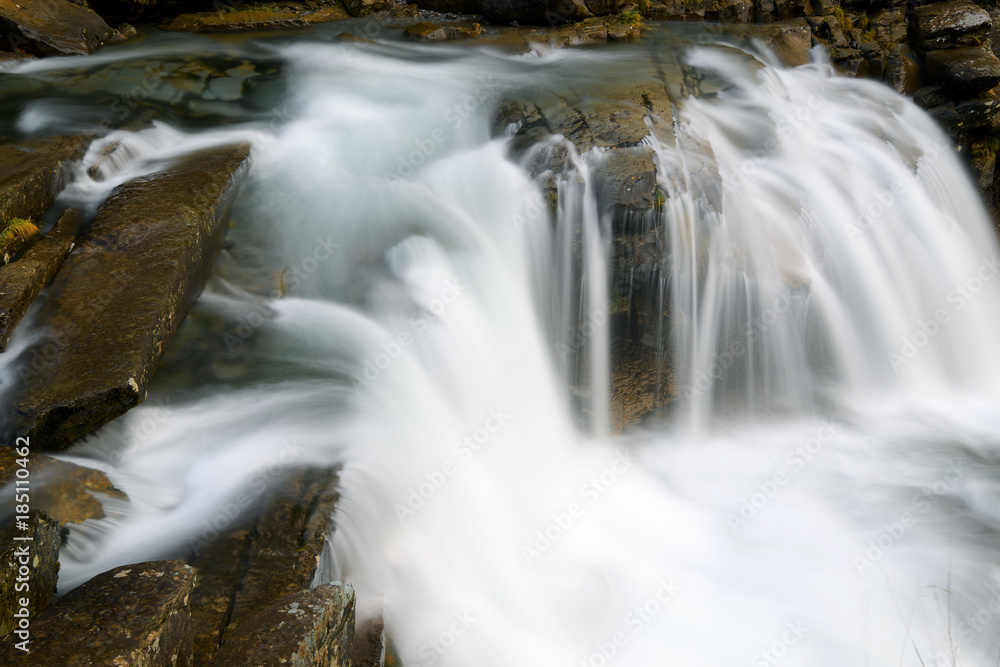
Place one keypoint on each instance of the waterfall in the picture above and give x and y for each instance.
(824, 493)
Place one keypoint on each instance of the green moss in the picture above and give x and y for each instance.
(633, 17)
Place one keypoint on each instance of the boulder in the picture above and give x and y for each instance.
(136, 615)
(121, 294)
(430, 32)
(254, 19)
(32, 171)
(64, 491)
(28, 571)
(313, 628)
(52, 27)
(946, 25)
(366, 7)
(627, 180)
(22, 280)
(965, 71)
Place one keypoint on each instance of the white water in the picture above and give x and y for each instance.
(436, 270)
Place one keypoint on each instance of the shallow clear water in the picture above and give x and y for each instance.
(389, 302)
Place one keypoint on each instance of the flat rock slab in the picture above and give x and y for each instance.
(64, 491)
(28, 572)
(944, 25)
(32, 172)
(135, 615)
(966, 71)
(23, 279)
(53, 27)
(251, 20)
(122, 293)
(308, 628)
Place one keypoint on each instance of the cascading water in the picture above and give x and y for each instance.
(816, 501)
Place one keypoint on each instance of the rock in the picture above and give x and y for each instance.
(33, 170)
(471, 7)
(135, 615)
(428, 32)
(313, 627)
(366, 7)
(966, 71)
(904, 72)
(930, 96)
(33, 589)
(287, 542)
(369, 644)
(889, 25)
(348, 37)
(125, 287)
(623, 32)
(979, 111)
(252, 20)
(64, 491)
(945, 25)
(627, 180)
(51, 27)
(21, 281)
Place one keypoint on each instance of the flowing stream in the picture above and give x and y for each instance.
(394, 298)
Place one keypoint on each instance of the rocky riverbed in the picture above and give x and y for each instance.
(111, 287)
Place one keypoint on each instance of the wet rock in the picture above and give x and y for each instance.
(904, 71)
(33, 170)
(366, 7)
(313, 627)
(125, 287)
(889, 25)
(944, 25)
(40, 557)
(64, 491)
(369, 643)
(22, 280)
(429, 32)
(623, 32)
(51, 27)
(931, 96)
(348, 37)
(979, 111)
(253, 20)
(471, 7)
(131, 615)
(965, 71)
(627, 179)
(220, 564)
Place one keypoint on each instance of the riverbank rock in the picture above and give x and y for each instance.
(52, 28)
(121, 294)
(947, 25)
(433, 32)
(22, 280)
(309, 628)
(40, 556)
(967, 71)
(135, 615)
(251, 19)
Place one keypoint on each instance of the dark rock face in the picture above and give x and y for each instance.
(33, 170)
(40, 557)
(22, 280)
(946, 25)
(121, 294)
(64, 491)
(278, 549)
(366, 7)
(52, 27)
(966, 71)
(133, 615)
(627, 180)
(308, 628)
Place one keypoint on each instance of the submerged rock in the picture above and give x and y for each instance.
(131, 615)
(52, 27)
(309, 628)
(121, 294)
(431, 32)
